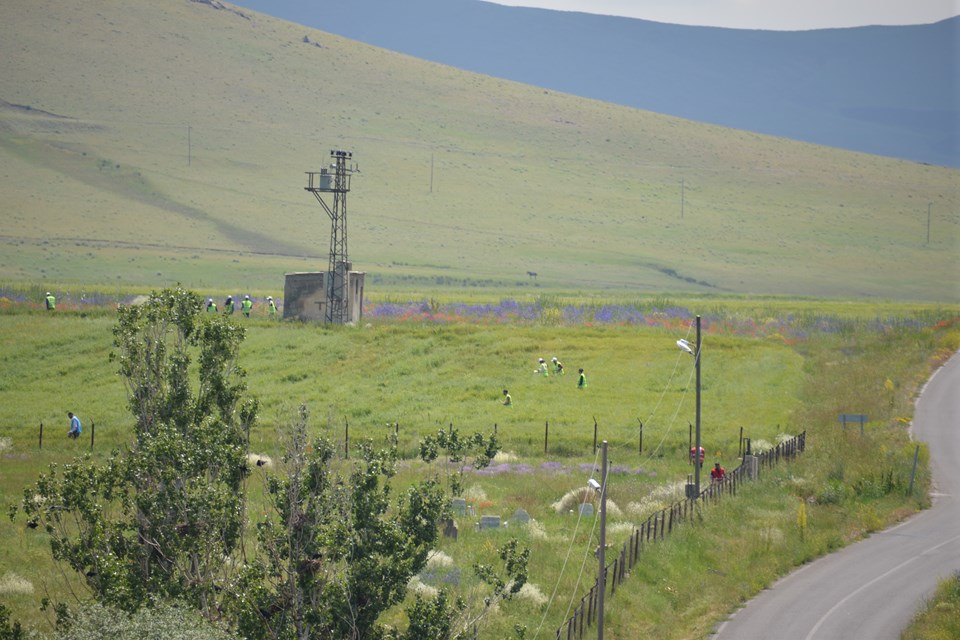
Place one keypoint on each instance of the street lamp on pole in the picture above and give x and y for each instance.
(695, 352)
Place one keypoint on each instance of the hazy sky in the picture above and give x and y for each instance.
(785, 15)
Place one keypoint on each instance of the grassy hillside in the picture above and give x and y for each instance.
(152, 142)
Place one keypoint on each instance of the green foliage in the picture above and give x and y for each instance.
(940, 618)
(514, 566)
(159, 519)
(160, 621)
(9, 630)
(456, 449)
(336, 554)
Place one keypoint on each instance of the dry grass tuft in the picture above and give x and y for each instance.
(12, 584)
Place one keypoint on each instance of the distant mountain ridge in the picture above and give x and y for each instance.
(890, 91)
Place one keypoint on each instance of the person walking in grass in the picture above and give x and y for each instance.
(50, 301)
(211, 306)
(507, 400)
(557, 366)
(246, 306)
(582, 380)
(542, 368)
(228, 306)
(271, 307)
(75, 427)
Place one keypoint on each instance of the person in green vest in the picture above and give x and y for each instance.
(557, 366)
(228, 306)
(272, 307)
(542, 368)
(507, 400)
(51, 301)
(211, 306)
(582, 381)
(246, 306)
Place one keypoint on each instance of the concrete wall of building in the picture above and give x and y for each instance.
(305, 296)
(355, 295)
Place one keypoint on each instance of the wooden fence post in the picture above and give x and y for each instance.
(93, 427)
(346, 438)
(546, 434)
(594, 435)
(41, 435)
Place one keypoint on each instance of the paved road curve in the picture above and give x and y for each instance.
(870, 590)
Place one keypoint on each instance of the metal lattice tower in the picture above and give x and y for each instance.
(335, 180)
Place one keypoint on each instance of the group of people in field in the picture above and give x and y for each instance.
(544, 370)
(246, 306)
(229, 306)
(717, 474)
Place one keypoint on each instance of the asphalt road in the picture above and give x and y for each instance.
(871, 589)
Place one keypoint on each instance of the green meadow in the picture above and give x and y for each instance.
(412, 376)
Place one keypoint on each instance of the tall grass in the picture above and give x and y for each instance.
(414, 377)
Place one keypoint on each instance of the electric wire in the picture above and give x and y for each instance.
(573, 540)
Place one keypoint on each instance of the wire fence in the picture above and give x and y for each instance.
(662, 523)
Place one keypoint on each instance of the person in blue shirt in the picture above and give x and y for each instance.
(75, 427)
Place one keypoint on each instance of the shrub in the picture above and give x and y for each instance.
(163, 622)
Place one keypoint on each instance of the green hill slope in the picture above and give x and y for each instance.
(149, 142)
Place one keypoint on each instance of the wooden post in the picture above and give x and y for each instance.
(641, 435)
(546, 434)
(41, 435)
(594, 435)
(346, 438)
(93, 427)
(916, 454)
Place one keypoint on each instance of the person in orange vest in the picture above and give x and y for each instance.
(702, 455)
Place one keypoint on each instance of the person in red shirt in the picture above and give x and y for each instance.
(717, 473)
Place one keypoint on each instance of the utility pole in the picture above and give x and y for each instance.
(696, 458)
(602, 580)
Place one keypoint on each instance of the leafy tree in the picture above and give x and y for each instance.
(457, 449)
(337, 552)
(165, 516)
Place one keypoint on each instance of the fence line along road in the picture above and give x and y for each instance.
(662, 523)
